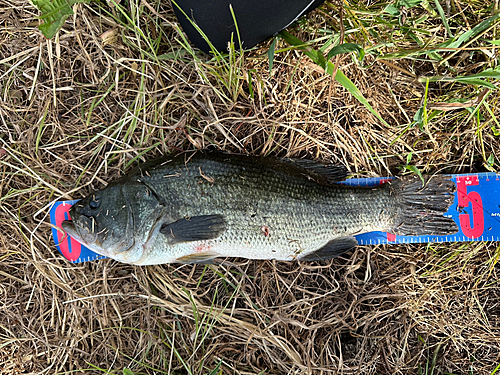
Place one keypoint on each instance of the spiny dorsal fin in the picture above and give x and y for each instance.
(332, 249)
(196, 228)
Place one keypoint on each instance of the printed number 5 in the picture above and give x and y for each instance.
(472, 228)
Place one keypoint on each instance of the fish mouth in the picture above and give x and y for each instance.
(69, 227)
(80, 232)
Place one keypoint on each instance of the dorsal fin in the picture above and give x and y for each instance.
(322, 173)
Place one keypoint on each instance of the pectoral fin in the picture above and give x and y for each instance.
(332, 249)
(200, 258)
(196, 228)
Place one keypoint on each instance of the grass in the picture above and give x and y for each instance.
(410, 86)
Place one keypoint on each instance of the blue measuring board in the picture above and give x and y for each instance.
(70, 248)
(476, 210)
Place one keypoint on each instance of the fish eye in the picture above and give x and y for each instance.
(94, 203)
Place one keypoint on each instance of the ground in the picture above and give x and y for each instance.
(120, 84)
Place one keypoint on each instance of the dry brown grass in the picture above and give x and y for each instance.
(77, 111)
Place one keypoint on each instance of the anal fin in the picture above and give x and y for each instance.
(332, 249)
(198, 258)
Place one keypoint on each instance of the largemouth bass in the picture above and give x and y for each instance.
(193, 208)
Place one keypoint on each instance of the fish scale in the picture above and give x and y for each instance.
(301, 202)
(194, 207)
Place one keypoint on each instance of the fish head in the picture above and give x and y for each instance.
(117, 221)
(102, 221)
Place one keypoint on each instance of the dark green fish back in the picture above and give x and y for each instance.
(197, 206)
(273, 208)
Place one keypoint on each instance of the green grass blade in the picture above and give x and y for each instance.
(340, 77)
(391, 9)
(476, 30)
(495, 370)
(408, 4)
(314, 55)
(415, 170)
(443, 18)
(474, 79)
(215, 371)
(346, 48)
(351, 87)
(431, 51)
(434, 358)
(477, 82)
(250, 84)
(270, 54)
(490, 73)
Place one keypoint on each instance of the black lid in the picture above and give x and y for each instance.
(257, 20)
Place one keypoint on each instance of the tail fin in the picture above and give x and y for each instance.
(422, 205)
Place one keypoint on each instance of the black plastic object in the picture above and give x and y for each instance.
(257, 20)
